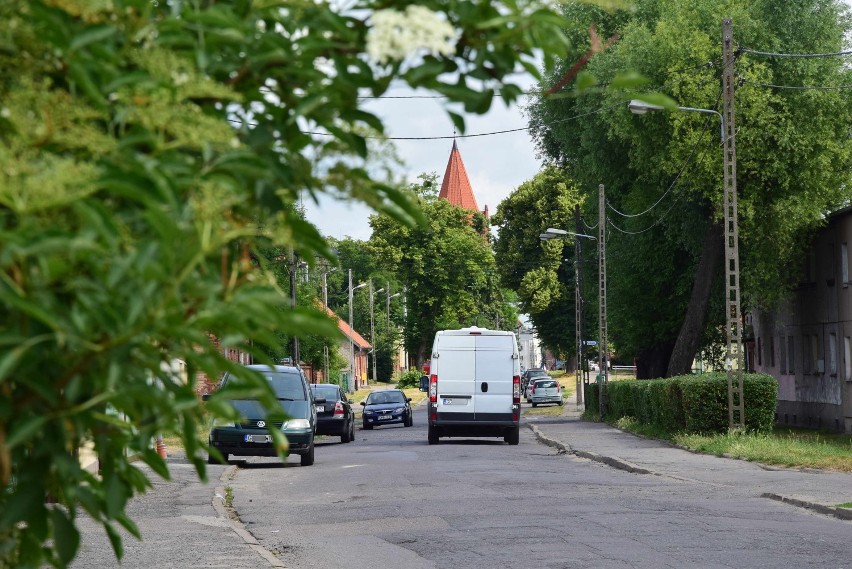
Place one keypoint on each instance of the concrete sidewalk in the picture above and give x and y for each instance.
(815, 489)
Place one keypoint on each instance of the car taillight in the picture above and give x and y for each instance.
(433, 388)
(338, 408)
(516, 389)
(533, 388)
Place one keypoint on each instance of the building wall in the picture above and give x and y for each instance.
(530, 349)
(807, 343)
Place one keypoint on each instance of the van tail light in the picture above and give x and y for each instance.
(433, 388)
(516, 389)
(533, 388)
(338, 409)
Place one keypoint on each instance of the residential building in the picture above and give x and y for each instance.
(807, 343)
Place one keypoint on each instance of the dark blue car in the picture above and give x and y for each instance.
(385, 407)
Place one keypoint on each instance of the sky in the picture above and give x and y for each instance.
(495, 164)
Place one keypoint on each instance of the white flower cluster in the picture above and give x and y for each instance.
(396, 35)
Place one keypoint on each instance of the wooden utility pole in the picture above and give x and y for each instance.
(292, 256)
(735, 361)
(578, 306)
(603, 354)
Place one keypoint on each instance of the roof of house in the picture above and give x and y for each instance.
(350, 333)
(455, 188)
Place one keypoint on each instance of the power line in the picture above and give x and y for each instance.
(798, 87)
(798, 55)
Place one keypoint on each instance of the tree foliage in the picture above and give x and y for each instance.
(150, 152)
(663, 171)
(447, 268)
(543, 271)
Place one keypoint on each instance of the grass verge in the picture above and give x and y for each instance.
(795, 448)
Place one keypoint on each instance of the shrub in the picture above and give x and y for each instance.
(408, 379)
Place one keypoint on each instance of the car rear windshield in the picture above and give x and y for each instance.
(545, 383)
(383, 397)
(325, 391)
(287, 385)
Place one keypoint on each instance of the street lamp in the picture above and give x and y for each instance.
(373, 327)
(553, 233)
(638, 107)
(351, 382)
(325, 307)
(736, 403)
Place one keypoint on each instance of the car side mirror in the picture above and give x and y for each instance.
(408, 399)
(364, 403)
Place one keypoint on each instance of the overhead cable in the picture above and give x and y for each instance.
(799, 55)
(798, 87)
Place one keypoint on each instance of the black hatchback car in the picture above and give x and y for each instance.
(387, 406)
(250, 437)
(335, 416)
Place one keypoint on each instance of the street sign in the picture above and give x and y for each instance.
(590, 342)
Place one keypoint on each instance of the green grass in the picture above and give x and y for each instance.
(794, 448)
(845, 505)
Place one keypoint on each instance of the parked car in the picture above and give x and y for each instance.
(334, 417)
(385, 407)
(545, 391)
(250, 437)
(529, 375)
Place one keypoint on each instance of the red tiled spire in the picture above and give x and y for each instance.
(455, 187)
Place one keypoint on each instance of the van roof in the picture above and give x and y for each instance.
(475, 330)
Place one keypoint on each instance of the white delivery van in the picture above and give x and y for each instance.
(474, 385)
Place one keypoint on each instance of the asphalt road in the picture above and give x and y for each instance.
(391, 500)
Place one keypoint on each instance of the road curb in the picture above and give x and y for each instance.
(237, 526)
(841, 513)
(608, 460)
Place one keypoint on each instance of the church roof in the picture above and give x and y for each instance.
(455, 187)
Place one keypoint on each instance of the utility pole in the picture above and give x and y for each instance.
(578, 308)
(734, 361)
(292, 257)
(372, 330)
(603, 355)
(325, 272)
(351, 382)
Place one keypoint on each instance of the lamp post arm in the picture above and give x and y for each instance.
(709, 112)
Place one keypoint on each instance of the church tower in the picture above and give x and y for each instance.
(455, 187)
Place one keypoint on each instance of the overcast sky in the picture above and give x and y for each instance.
(495, 164)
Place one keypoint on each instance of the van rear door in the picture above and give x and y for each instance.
(494, 373)
(456, 377)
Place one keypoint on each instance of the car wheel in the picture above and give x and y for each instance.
(409, 421)
(351, 432)
(213, 460)
(534, 404)
(561, 402)
(368, 427)
(513, 437)
(344, 438)
(433, 435)
(307, 459)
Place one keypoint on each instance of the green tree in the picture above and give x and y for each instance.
(150, 152)
(542, 272)
(447, 268)
(663, 171)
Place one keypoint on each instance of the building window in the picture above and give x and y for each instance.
(847, 357)
(844, 263)
(816, 353)
(771, 351)
(807, 358)
(832, 353)
(782, 355)
(791, 355)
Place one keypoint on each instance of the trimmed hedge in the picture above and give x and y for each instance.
(689, 403)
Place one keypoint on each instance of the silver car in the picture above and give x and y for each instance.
(545, 391)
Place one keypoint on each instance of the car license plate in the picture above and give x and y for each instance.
(320, 408)
(258, 438)
(385, 417)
